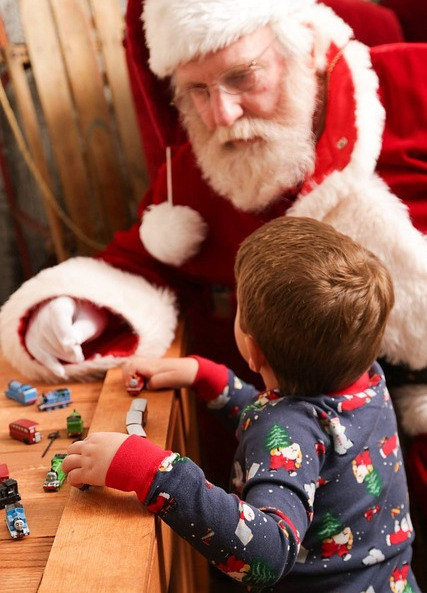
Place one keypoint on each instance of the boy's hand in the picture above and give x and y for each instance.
(88, 461)
(162, 372)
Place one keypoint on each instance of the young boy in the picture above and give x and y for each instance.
(319, 498)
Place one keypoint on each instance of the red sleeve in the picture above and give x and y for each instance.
(135, 465)
(211, 379)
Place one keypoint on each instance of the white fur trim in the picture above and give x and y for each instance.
(172, 234)
(368, 212)
(180, 30)
(149, 310)
(411, 404)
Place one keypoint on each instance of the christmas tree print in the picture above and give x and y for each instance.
(283, 453)
(260, 574)
(277, 438)
(336, 540)
(329, 525)
(373, 483)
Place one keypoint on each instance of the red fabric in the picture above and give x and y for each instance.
(210, 380)
(341, 106)
(403, 160)
(372, 24)
(134, 466)
(416, 465)
(412, 15)
(357, 387)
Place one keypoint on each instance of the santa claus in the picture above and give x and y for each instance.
(285, 115)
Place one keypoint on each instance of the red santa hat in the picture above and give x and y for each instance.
(180, 30)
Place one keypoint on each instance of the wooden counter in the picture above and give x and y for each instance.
(99, 539)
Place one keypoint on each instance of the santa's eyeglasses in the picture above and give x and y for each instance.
(234, 81)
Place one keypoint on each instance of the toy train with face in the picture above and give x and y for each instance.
(52, 400)
(21, 393)
(16, 521)
(55, 477)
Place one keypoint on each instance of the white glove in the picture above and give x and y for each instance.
(57, 330)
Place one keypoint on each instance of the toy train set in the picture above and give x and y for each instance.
(16, 521)
(26, 431)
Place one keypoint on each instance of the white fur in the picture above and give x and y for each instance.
(411, 400)
(172, 234)
(149, 310)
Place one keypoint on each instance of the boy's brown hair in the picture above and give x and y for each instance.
(315, 301)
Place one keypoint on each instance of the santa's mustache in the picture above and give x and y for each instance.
(247, 128)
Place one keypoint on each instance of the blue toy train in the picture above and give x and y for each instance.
(52, 400)
(16, 521)
(21, 392)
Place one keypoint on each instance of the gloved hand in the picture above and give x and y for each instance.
(58, 329)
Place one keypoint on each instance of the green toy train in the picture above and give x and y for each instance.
(74, 425)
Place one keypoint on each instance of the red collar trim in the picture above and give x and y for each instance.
(357, 387)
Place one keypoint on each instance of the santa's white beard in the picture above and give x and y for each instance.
(255, 174)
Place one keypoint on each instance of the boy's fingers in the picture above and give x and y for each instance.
(74, 448)
(75, 478)
(72, 461)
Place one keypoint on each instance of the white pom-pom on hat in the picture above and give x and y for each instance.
(172, 234)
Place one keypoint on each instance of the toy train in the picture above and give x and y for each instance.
(74, 425)
(52, 400)
(136, 384)
(16, 521)
(9, 492)
(55, 477)
(21, 392)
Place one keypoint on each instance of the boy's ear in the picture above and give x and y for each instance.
(256, 357)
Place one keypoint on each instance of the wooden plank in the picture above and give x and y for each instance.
(22, 563)
(57, 104)
(77, 39)
(106, 536)
(110, 26)
(15, 58)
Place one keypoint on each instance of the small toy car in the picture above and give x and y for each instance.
(52, 400)
(22, 393)
(74, 425)
(16, 520)
(55, 477)
(136, 418)
(25, 430)
(136, 384)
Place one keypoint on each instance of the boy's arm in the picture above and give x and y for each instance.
(222, 391)
(228, 531)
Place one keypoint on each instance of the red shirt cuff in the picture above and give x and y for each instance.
(135, 465)
(210, 380)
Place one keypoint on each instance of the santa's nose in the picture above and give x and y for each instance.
(223, 110)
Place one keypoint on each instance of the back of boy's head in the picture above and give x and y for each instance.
(315, 301)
